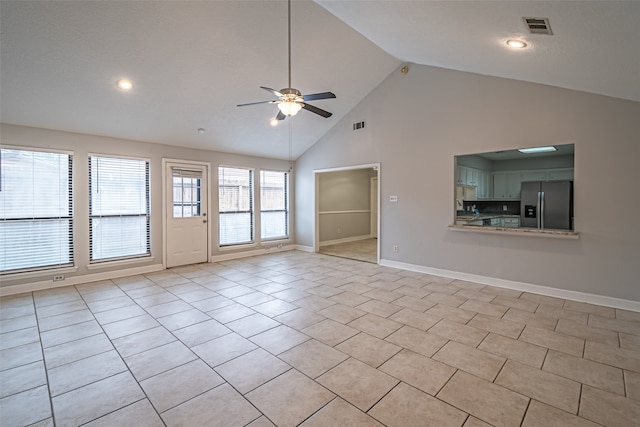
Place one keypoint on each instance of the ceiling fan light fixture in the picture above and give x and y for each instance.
(289, 108)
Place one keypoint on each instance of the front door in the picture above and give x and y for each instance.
(187, 220)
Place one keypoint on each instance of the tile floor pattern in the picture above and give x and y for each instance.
(294, 338)
(361, 250)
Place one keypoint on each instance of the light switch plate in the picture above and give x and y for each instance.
(393, 199)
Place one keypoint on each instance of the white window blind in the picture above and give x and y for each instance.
(36, 210)
(235, 197)
(274, 205)
(119, 213)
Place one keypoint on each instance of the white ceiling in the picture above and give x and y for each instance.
(192, 62)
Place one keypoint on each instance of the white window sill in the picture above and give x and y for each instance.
(120, 262)
(241, 246)
(39, 273)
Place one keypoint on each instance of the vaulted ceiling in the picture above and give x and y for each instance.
(192, 62)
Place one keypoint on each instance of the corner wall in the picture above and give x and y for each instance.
(417, 123)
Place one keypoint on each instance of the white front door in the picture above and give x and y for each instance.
(186, 213)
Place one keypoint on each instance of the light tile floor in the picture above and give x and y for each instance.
(361, 250)
(307, 339)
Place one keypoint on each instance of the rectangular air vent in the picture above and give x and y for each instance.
(359, 125)
(538, 25)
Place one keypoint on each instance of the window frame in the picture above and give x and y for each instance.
(69, 208)
(286, 210)
(251, 211)
(146, 214)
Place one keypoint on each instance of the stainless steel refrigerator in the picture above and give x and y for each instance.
(546, 205)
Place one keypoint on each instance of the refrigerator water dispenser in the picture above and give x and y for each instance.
(529, 211)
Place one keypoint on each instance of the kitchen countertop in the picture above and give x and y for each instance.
(521, 231)
(468, 225)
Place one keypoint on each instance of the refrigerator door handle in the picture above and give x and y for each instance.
(542, 210)
(538, 207)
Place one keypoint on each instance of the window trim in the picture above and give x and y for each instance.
(286, 210)
(127, 258)
(252, 211)
(35, 271)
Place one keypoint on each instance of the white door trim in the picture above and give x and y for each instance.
(166, 162)
(316, 201)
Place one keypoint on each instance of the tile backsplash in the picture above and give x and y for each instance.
(494, 207)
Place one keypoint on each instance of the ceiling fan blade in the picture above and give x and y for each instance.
(316, 110)
(280, 116)
(256, 103)
(273, 91)
(322, 95)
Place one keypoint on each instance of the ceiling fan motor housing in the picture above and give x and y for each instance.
(291, 95)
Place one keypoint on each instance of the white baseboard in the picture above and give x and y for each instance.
(304, 248)
(255, 252)
(345, 240)
(520, 286)
(77, 280)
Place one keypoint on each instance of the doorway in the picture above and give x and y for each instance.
(347, 212)
(185, 213)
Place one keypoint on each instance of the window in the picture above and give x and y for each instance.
(235, 196)
(36, 210)
(186, 193)
(274, 205)
(119, 215)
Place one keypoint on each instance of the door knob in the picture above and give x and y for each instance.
(204, 221)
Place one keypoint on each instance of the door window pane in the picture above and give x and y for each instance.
(186, 193)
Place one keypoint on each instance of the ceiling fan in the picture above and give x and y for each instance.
(291, 100)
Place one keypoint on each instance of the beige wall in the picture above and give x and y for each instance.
(344, 204)
(418, 122)
(82, 145)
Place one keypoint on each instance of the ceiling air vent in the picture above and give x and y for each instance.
(538, 25)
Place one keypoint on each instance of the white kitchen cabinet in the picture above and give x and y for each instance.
(464, 175)
(560, 174)
(484, 184)
(533, 176)
(506, 185)
(476, 178)
(511, 222)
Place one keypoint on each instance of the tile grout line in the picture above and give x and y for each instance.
(44, 362)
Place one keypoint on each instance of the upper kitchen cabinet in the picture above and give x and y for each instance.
(474, 175)
(560, 175)
(506, 185)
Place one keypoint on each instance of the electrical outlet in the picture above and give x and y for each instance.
(505, 208)
(58, 278)
(395, 248)
(339, 230)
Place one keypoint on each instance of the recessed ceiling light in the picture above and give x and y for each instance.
(537, 150)
(201, 130)
(125, 84)
(274, 122)
(518, 44)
